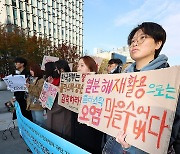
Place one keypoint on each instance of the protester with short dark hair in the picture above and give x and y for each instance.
(58, 118)
(51, 73)
(20, 64)
(145, 43)
(114, 66)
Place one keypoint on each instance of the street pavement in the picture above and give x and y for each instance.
(10, 140)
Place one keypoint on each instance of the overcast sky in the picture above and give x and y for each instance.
(107, 23)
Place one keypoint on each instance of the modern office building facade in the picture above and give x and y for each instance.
(59, 20)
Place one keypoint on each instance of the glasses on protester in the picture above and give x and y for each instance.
(139, 40)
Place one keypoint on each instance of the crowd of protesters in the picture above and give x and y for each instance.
(145, 43)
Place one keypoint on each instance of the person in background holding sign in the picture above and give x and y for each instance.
(114, 66)
(34, 90)
(59, 118)
(20, 64)
(145, 43)
(86, 137)
(51, 74)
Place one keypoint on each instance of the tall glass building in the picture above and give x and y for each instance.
(59, 20)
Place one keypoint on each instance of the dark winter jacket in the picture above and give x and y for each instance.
(21, 99)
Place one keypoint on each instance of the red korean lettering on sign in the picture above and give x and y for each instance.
(115, 113)
(140, 126)
(119, 85)
(52, 91)
(163, 125)
(69, 99)
(106, 86)
(143, 121)
(92, 86)
(43, 96)
(133, 83)
(91, 114)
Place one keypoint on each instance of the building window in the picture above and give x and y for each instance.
(53, 20)
(34, 19)
(49, 25)
(14, 3)
(15, 21)
(7, 1)
(54, 31)
(21, 15)
(33, 10)
(32, 2)
(45, 31)
(58, 33)
(49, 17)
(28, 23)
(44, 15)
(15, 13)
(39, 22)
(21, 5)
(53, 4)
(38, 5)
(8, 10)
(50, 32)
(8, 19)
(44, 22)
(34, 26)
(38, 12)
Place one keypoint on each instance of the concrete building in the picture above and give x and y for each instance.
(59, 20)
(108, 54)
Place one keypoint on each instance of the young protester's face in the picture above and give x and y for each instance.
(31, 72)
(19, 66)
(82, 67)
(111, 67)
(142, 47)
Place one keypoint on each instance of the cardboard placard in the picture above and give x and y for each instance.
(16, 83)
(142, 104)
(48, 95)
(71, 88)
(47, 59)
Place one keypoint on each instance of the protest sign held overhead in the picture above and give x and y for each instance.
(142, 104)
(48, 95)
(47, 59)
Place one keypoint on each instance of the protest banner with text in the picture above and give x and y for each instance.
(41, 141)
(141, 104)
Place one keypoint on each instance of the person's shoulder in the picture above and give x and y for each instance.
(129, 68)
(25, 72)
(41, 81)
